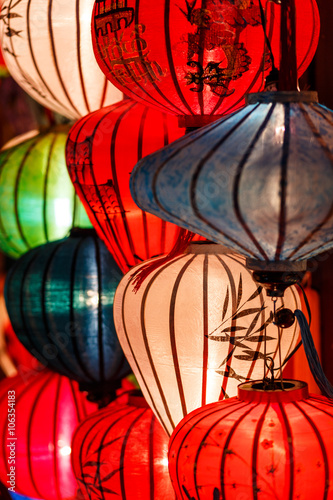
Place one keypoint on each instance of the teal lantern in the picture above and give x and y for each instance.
(37, 200)
(59, 298)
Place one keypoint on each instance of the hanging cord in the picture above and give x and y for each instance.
(268, 43)
(312, 356)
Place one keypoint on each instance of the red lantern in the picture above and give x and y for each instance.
(275, 445)
(38, 416)
(121, 452)
(193, 57)
(102, 149)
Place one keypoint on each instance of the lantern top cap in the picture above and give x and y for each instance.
(282, 97)
(204, 247)
(293, 390)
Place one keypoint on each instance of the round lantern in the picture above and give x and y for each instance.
(37, 200)
(252, 181)
(47, 49)
(121, 452)
(102, 149)
(196, 328)
(194, 58)
(38, 416)
(59, 298)
(263, 444)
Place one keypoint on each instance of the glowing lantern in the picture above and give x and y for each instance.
(46, 408)
(194, 58)
(37, 200)
(47, 49)
(101, 151)
(121, 452)
(238, 181)
(266, 444)
(59, 298)
(197, 326)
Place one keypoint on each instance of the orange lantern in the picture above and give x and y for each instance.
(47, 49)
(196, 326)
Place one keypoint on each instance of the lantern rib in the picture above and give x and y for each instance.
(172, 329)
(100, 307)
(54, 55)
(255, 446)
(329, 156)
(46, 178)
(288, 440)
(103, 96)
(122, 454)
(205, 331)
(55, 440)
(29, 438)
(321, 444)
(151, 458)
(78, 45)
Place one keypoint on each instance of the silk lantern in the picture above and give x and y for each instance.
(38, 416)
(47, 49)
(252, 181)
(59, 298)
(37, 200)
(121, 452)
(194, 57)
(261, 444)
(102, 149)
(196, 328)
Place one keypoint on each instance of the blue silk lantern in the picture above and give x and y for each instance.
(59, 298)
(259, 181)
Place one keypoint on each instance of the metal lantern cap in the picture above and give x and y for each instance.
(281, 96)
(293, 390)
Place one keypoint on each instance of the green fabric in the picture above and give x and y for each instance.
(37, 198)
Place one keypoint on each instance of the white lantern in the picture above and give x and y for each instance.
(196, 328)
(48, 50)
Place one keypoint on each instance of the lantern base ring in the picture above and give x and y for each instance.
(292, 390)
(275, 277)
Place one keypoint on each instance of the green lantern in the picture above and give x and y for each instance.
(38, 203)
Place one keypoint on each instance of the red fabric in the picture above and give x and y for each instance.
(121, 452)
(48, 408)
(21, 358)
(264, 445)
(194, 56)
(102, 149)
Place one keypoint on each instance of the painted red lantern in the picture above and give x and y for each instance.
(102, 149)
(38, 416)
(121, 452)
(192, 57)
(275, 444)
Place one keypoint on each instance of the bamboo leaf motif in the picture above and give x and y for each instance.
(105, 445)
(259, 338)
(233, 329)
(230, 373)
(267, 322)
(225, 305)
(251, 355)
(240, 290)
(255, 294)
(253, 323)
(90, 464)
(109, 476)
(187, 493)
(216, 494)
(246, 312)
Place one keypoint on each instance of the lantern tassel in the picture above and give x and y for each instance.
(312, 356)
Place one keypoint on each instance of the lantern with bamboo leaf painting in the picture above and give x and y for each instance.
(37, 200)
(195, 328)
(121, 452)
(194, 57)
(274, 444)
(47, 50)
(101, 150)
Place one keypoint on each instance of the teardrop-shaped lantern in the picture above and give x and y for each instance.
(38, 416)
(121, 452)
(252, 181)
(194, 57)
(262, 444)
(102, 149)
(196, 328)
(47, 49)
(37, 200)
(59, 298)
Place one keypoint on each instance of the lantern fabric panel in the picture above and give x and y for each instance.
(47, 49)
(48, 408)
(195, 329)
(102, 149)
(122, 451)
(194, 58)
(59, 298)
(225, 179)
(37, 200)
(263, 445)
